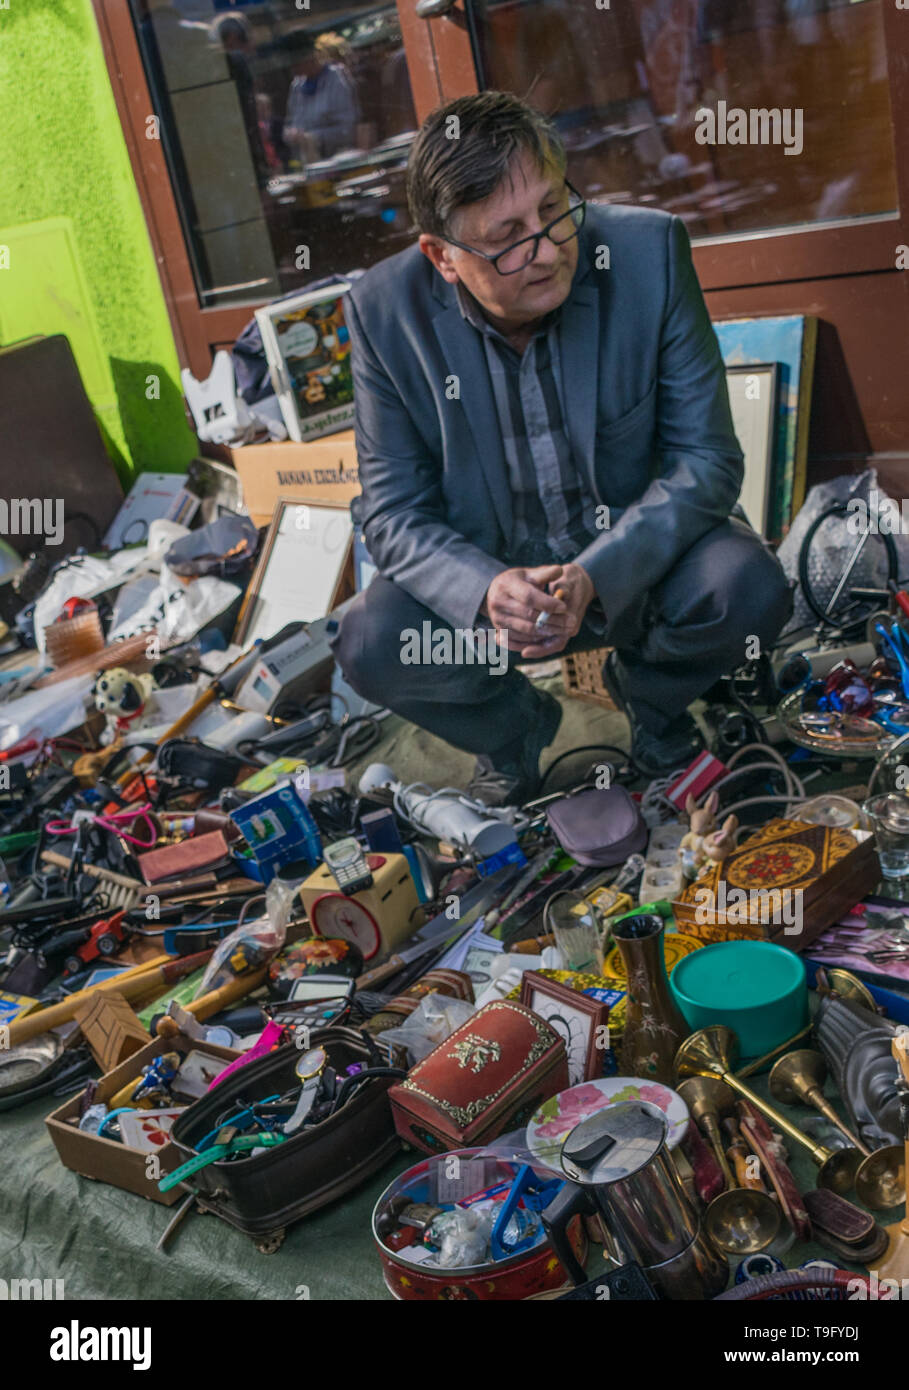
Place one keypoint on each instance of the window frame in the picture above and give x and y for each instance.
(440, 62)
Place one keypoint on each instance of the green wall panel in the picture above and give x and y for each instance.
(80, 261)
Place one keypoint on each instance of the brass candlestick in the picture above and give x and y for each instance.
(713, 1052)
(800, 1077)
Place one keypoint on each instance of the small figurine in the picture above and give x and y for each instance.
(700, 824)
(721, 842)
(123, 697)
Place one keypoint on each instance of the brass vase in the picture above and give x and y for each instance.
(654, 1027)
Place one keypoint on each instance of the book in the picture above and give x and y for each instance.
(307, 346)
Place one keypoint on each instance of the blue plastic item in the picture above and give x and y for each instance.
(536, 1194)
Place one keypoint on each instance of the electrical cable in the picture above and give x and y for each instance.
(795, 790)
(769, 752)
(590, 748)
(350, 1083)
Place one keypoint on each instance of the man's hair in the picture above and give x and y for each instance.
(298, 43)
(453, 163)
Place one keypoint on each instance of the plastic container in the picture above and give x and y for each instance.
(756, 988)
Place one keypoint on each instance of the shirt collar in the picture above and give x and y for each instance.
(473, 313)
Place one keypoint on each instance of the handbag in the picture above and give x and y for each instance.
(598, 827)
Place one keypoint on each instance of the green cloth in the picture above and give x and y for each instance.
(101, 1240)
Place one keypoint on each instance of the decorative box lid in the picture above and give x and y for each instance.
(482, 1062)
(783, 855)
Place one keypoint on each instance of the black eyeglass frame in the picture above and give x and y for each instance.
(535, 237)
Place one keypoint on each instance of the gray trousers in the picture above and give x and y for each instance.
(689, 630)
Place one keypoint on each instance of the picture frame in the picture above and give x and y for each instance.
(302, 570)
(307, 347)
(575, 1017)
(791, 341)
(753, 401)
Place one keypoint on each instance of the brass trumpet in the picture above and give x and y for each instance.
(714, 1051)
(742, 1220)
(708, 1099)
(800, 1077)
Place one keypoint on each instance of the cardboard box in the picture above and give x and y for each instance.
(324, 470)
(107, 1160)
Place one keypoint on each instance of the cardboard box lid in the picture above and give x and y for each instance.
(324, 470)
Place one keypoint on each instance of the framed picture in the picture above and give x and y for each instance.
(791, 342)
(301, 571)
(307, 346)
(752, 398)
(575, 1017)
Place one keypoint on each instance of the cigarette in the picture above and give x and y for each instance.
(543, 617)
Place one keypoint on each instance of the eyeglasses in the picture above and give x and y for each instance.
(519, 254)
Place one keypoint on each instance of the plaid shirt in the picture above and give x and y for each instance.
(552, 509)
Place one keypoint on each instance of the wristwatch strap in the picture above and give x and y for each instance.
(240, 1145)
(305, 1103)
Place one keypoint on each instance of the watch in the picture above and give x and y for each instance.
(244, 1143)
(309, 1069)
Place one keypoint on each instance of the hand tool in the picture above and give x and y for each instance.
(217, 999)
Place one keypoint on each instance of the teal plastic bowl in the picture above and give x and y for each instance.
(757, 989)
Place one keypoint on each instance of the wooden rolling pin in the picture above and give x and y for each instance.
(133, 985)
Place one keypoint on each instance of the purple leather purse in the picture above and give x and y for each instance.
(599, 828)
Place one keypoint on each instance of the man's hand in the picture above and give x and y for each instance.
(575, 588)
(516, 598)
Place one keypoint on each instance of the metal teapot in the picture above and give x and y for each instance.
(620, 1169)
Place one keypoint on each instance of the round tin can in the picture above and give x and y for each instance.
(524, 1275)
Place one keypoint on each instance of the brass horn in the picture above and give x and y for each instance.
(800, 1077)
(743, 1221)
(714, 1051)
(708, 1098)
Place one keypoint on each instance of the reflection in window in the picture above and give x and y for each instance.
(625, 85)
(286, 133)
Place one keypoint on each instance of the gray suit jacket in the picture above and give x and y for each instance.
(646, 405)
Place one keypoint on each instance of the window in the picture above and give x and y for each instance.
(286, 132)
(628, 86)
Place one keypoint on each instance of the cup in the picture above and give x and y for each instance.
(576, 925)
(888, 817)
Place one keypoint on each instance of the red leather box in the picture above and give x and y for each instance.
(487, 1079)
